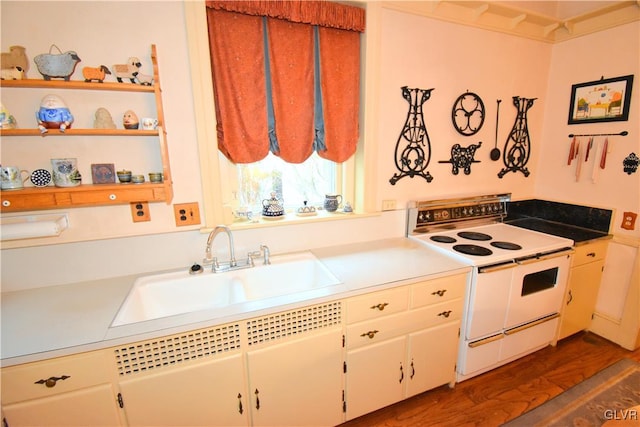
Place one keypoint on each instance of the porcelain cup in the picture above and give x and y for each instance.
(148, 123)
(12, 178)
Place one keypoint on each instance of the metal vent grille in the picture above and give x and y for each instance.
(293, 322)
(152, 354)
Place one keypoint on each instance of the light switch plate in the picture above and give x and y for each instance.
(187, 214)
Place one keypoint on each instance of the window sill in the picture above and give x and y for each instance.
(292, 219)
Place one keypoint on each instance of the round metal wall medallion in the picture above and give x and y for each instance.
(468, 114)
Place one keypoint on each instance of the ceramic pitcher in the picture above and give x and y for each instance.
(332, 201)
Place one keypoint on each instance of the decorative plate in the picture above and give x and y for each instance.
(40, 177)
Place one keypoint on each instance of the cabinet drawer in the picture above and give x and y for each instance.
(12, 203)
(116, 197)
(376, 330)
(438, 290)
(21, 382)
(377, 304)
(591, 252)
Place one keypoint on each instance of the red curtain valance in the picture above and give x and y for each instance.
(321, 13)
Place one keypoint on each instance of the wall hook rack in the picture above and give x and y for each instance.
(623, 133)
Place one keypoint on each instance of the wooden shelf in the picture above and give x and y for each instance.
(39, 198)
(75, 84)
(72, 132)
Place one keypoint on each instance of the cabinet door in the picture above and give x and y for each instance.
(375, 376)
(298, 382)
(93, 406)
(210, 393)
(432, 358)
(580, 303)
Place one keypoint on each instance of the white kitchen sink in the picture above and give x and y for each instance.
(168, 294)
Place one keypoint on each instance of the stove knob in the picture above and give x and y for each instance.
(445, 214)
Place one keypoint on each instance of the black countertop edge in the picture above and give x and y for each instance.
(579, 235)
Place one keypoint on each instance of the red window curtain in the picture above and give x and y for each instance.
(237, 62)
(238, 59)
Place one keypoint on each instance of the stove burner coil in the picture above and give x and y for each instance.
(473, 250)
(506, 245)
(474, 235)
(443, 239)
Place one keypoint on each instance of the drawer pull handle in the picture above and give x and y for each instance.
(51, 381)
(380, 306)
(445, 313)
(112, 197)
(6, 203)
(592, 254)
(570, 297)
(439, 292)
(257, 393)
(240, 410)
(370, 334)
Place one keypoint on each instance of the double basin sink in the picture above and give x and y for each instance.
(162, 295)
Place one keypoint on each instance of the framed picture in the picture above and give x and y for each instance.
(604, 100)
(103, 173)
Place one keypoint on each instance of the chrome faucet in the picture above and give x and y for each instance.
(265, 251)
(209, 259)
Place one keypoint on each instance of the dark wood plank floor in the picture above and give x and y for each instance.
(506, 392)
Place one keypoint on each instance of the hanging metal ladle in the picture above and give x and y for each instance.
(495, 152)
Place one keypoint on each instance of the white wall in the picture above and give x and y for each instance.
(611, 53)
(415, 51)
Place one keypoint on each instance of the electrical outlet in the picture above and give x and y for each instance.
(140, 211)
(388, 205)
(187, 214)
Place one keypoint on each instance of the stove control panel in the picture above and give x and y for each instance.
(457, 213)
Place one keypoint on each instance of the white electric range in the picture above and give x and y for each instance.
(518, 280)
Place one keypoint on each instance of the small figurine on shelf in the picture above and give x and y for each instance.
(16, 57)
(53, 114)
(95, 74)
(103, 119)
(127, 71)
(7, 121)
(130, 120)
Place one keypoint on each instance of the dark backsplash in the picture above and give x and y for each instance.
(578, 216)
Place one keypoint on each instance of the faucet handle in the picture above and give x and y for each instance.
(267, 253)
(251, 256)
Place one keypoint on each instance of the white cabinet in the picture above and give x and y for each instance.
(67, 391)
(297, 382)
(210, 392)
(401, 342)
(277, 370)
(585, 275)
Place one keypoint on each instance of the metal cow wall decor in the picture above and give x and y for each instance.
(517, 148)
(413, 148)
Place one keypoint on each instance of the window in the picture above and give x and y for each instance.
(221, 186)
(297, 183)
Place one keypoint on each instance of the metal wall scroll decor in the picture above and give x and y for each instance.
(413, 148)
(462, 158)
(517, 148)
(468, 114)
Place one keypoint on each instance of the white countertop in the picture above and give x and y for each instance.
(60, 320)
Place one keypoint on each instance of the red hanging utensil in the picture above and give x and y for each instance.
(603, 158)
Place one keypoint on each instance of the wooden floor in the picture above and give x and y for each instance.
(506, 392)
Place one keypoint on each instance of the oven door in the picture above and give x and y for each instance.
(538, 287)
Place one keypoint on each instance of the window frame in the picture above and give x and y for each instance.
(357, 174)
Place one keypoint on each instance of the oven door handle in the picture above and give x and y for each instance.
(529, 260)
(532, 324)
(492, 338)
(497, 267)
